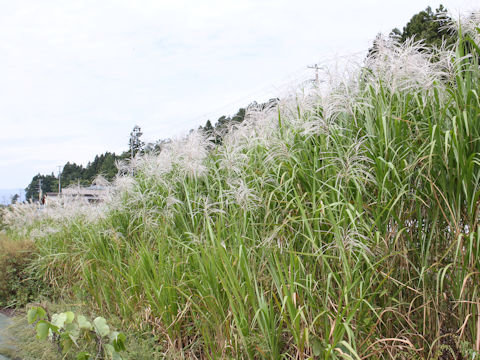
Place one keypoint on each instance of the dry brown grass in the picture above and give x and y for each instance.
(17, 285)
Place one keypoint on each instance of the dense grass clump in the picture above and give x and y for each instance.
(19, 282)
(340, 224)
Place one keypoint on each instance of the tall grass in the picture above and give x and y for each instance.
(340, 224)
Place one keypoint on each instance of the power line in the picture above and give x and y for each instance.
(297, 77)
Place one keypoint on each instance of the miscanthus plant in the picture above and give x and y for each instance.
(341, 223)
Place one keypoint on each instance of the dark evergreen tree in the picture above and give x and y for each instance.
(428, 26)
(135, 144)
(208, 129)
(73, 174)
(49, 184)
(14, 199)
(107, 166)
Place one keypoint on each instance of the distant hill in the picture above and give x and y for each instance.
(6, 195)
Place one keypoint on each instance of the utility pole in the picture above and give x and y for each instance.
(131, 145)
(59, 179)
(316, 67)
(135, 144)
(40, 193)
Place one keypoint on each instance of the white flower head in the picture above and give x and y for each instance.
(242, 195)
(403, 66)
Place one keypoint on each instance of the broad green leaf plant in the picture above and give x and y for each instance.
(70, 331)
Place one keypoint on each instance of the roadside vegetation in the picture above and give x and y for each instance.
(339, 223)
(19, 281)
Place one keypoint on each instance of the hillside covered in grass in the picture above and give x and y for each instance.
(339, 223)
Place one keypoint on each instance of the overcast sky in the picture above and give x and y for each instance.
(76, 76)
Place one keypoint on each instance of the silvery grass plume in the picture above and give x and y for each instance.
(237, 142)
(185, 155)
(314, 108)
(260, 129)
(293, 111)
(317, 113)
(150, 197)
(351, 163)
(21, 216)
(148, 180)
(142, 175)
(119, 190)
(257, 128)
(56, 213)
(339, 90)
(206, 207)
(403, 66)
(241, 194)
(308, 111)
(467, 24)
(353, 239)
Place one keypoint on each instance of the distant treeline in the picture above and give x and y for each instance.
(105, 164)
(427, 25)
(72, 173)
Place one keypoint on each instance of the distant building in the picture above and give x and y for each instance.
(92, 193)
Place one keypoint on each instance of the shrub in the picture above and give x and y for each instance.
(18, 282)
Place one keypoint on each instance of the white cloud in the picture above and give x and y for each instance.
(75, 76)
